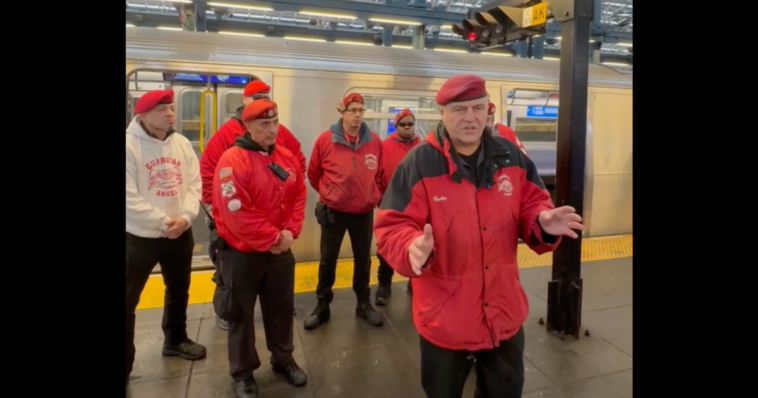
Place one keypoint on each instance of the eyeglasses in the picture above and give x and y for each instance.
(261, 96)
(407, 124)
(361, 111)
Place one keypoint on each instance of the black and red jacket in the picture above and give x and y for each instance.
(469, 297)
(224, 138)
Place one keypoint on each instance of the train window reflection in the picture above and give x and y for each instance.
(532, 114)
(190, 114)
(383, 105)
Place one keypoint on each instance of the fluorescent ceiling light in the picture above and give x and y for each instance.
(500, 54)
(624, 44)
(615, 64)
(168, 28)
(323, 14)
(223, 32)
(229, 5)
(551, 59)
(401, 46)
(303, 38)
(394, 21)
(129, 25)
(358, 43)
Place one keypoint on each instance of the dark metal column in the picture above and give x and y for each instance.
(565, 290)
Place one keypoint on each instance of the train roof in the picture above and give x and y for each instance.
(156, 44)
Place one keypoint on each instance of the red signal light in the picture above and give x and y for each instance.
(471, 36)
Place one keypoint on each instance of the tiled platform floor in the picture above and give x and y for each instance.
(348, 358)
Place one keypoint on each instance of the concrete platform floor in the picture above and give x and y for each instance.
(348, 358)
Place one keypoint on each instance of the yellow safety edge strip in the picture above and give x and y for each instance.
(306, 274)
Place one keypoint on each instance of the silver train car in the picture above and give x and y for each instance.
(208, 72)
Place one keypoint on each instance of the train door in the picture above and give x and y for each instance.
(203, 103)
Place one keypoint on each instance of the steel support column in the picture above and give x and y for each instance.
(387, 35)
(538, 49)
(522, 48)
(200, 14)
(565, 289)
(418, 37)
(597, 13)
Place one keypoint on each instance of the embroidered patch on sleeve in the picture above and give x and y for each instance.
(226, 172)
(234, 205)
(227, 189)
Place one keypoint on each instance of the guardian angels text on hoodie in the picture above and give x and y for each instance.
(162, 181)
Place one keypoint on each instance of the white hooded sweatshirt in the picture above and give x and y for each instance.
(162, 181)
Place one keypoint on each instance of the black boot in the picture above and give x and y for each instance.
(383, 294)
(247, 388)
(187, 350)
(222, 324)
(292, 373)
(365, 310)
(318, 317)
(409, 289)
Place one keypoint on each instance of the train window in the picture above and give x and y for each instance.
(383, 105)
(190, 114)
(533, 114)
(232, 100)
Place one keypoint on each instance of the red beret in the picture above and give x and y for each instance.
(402, 114)
(260, 109)
(151, 99)
(491, 109)
(352, 97)
(461, 88)
(256, 87)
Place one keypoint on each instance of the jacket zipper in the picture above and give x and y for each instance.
(481, 250)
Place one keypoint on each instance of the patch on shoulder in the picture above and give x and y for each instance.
(226, 172)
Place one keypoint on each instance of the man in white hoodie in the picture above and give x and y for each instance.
(162, 200)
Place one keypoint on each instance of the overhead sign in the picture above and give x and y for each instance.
(541, 111)
(534, 15)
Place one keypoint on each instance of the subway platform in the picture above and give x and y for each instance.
(348, 358)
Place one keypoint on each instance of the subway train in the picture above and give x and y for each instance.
(208, 72)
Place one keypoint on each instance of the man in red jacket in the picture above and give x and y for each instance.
(501, 129)
(450, 220)
(394, 149)
(224, 138)
(259, 208)
(342, 169)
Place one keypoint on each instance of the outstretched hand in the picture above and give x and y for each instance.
(561, 222)
(420, 249)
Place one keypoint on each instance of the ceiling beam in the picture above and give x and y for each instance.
(431, 41)
(393, 10)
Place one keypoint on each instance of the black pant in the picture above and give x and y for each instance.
(272, 277)
(360, 227)
(175, 258)
(499, 371)
(385, 273)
